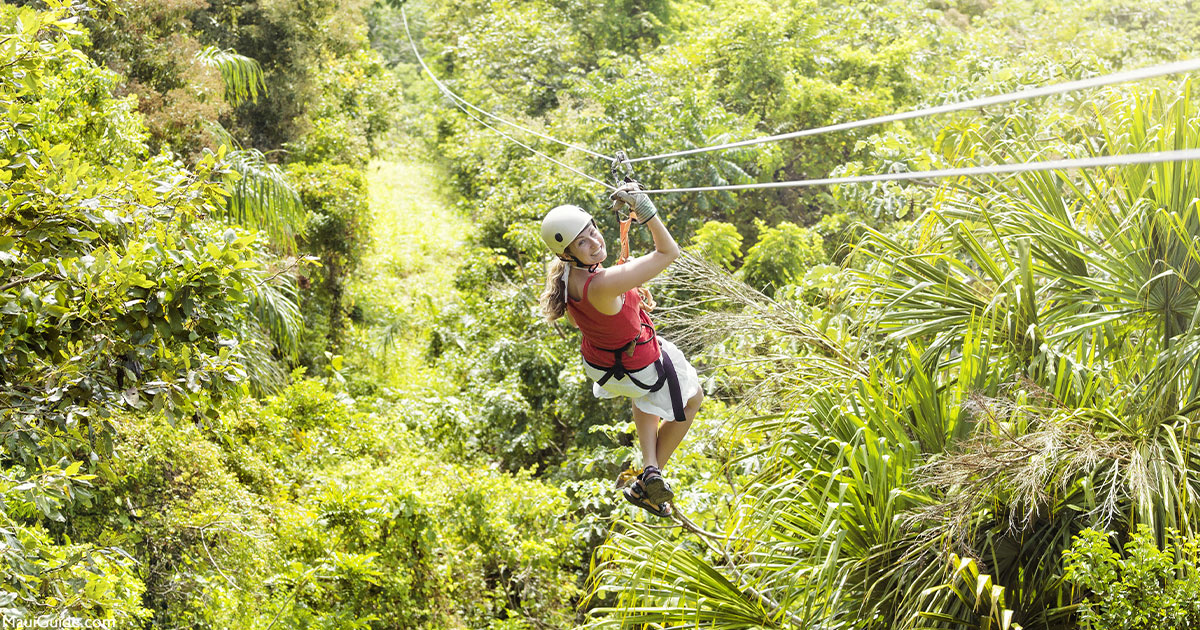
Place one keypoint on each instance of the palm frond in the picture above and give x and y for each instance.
(274, 302)
(243, 76)
(220, 133)
(262, 197)
(264, 371)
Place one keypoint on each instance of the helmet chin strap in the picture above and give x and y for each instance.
(566, 274)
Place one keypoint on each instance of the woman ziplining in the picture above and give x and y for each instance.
(621, 351)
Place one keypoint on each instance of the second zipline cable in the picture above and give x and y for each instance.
(458, 99)
(1177, 67)
(1185, 155)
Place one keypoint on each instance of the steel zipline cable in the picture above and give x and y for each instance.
(566, 166)
(972, 171)
(457, 99)
(1178, 67)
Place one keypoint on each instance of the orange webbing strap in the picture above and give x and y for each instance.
(625, 223)
(647, 299)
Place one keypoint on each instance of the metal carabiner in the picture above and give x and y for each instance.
(620, 169)
(622, 173)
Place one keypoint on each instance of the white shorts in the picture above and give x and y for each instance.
(656, 403)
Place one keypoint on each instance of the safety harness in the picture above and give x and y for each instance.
(662, 366)
(622, 173)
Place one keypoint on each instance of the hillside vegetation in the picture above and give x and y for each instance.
(272, 354)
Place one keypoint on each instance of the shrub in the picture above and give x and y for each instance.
(781, 256)
(1145, 588)
(337, 233)
(719, 243)
(337, 140)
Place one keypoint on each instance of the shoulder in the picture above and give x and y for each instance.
(578, 283)
(598, 296)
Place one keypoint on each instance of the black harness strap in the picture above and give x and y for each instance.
(665, 364)
(662, 365)
(618, 368)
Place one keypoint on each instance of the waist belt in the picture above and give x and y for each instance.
(662, 366)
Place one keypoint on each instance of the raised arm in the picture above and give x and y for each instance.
(608, 286)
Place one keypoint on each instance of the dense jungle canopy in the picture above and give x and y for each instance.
(271, 354)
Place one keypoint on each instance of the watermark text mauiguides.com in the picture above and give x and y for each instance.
(107, 624)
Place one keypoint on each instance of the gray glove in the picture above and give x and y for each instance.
(640, 202)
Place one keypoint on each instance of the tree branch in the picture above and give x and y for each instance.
(23, 280)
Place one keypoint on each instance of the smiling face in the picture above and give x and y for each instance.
(588, 248)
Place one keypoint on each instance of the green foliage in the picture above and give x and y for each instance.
(243, 76)
(178, 82)
(304, 48)
(1144, 588)
(48, 579)
(115, 290)
(119, 294)
(338, 227)
(185, 518)
(336, 233)
(274, 302)
(498, 558)
(336, 141)
(353, 110)
(719, 243)
(782, 255)
(940, 414)
(262, 197)
(523, 400)
(300, 511)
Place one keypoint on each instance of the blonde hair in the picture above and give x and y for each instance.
(554, 299)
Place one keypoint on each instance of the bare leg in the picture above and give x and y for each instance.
(670, 434)
(647, 430)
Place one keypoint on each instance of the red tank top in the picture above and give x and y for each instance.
(602, 331)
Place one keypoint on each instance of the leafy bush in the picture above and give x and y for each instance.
(44, 575)
(719, 243)
(355, 107)
(195, 530)
(116, 289)
(119, 294)
(525, 402)
(155, 48)
(338, 226)
(782, 255)
(1144, 588)
(337, 233)
(333, 141)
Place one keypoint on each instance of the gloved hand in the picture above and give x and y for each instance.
(628, 193)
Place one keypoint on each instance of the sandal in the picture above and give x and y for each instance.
(656, 489)
(636, 495)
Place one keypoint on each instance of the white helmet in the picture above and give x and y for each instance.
(562, 225)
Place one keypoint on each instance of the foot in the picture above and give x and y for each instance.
(656, 488)
(636, 494)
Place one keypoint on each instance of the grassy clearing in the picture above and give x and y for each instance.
(406, 276)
